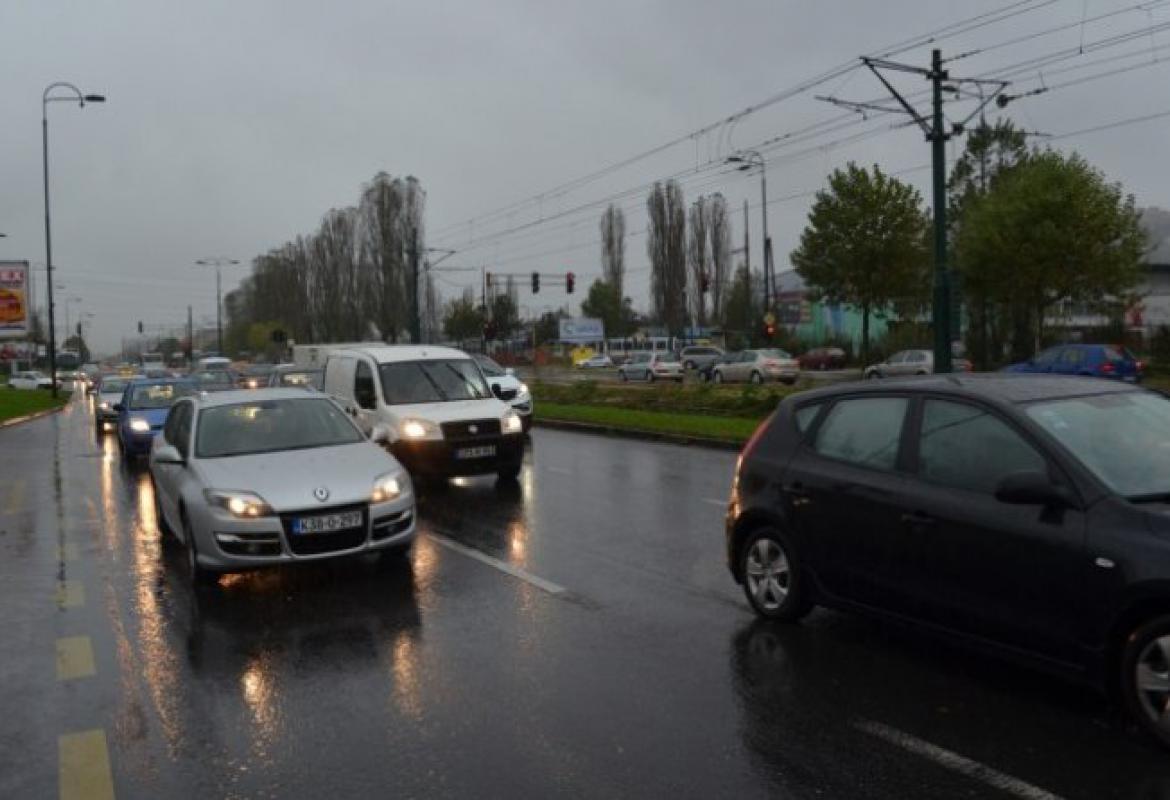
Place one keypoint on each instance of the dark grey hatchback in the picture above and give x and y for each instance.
(1030, 514)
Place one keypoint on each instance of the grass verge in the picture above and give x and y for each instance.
(14, 403)
(745, 400)
(736, 429)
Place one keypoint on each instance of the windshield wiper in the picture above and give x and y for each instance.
(427, 373)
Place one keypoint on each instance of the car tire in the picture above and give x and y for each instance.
(718, 376)
(196, 573)
(689, 365)
(872, 375)
(1145, 659)
(650, 376)
(773, 580)
(757, 378)
(510, 472)
(164, 530)
(622, 374)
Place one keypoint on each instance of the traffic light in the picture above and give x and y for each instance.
(79, 330)
(535, 282)
(769, 330)
(140, 326)
(570, 282)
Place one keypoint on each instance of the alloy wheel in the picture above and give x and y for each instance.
(1152, 679)
(768, 574)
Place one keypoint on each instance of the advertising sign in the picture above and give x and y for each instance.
(14, 299)
(582, 329)
(793, 308)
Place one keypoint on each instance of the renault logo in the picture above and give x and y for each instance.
(321, 493)
(473, 429)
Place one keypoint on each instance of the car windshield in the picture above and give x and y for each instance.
(435, 381)
(267, 426)
(307, 378)
(773, 354)
(490, 367)
(1123, 438)
(113, 386)
(158, 395)
(213, 378)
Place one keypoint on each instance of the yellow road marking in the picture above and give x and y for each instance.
(15, 498)
(67, 552)
(74, 658)
(70, 594)
(83, 766)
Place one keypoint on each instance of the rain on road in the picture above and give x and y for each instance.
(576, 634)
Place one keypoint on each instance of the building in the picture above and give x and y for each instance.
(816, 323)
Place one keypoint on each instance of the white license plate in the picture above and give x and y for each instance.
(327, 522)
(476, 452)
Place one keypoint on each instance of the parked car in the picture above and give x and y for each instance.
(294, 376)
(252, 478)
(911, 362)
(652, 367)
(699, 356)
(599, 361)
(214, 380)
(30, 379)
(706, 373)
(109, 393)
(1029, 514)
(143, 410)
(1095, 360)
(506, 386)
(443, 420)
(821, 358)
(758, 366)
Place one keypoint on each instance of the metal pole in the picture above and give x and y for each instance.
(764, 219)
(416, 316)
(49, 248)
(941, 316)
(190, 339)
(218, 312)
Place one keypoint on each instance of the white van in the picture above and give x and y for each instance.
(431, 405)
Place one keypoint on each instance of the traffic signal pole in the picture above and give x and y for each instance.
(941, 312)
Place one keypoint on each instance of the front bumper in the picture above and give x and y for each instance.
(226, 543)
(438, 458)
(136, 443)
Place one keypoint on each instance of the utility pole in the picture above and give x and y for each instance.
(218, 263)
(415, 310)
(937, 132)
(747, 250)
(190, 339)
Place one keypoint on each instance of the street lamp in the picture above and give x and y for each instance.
(73, 94)
(749, 159)
(217, 263)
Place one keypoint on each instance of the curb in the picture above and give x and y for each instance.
(634, 433)
(9, 423)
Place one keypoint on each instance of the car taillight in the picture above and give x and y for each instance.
(771, 363)
(1139, 365)
(1107, 367)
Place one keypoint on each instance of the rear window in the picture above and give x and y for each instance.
(1116, 353)
(159, 395)
(804, 416)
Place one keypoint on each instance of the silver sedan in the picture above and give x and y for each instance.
(250, 478)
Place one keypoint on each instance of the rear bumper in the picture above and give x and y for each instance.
(439, 458)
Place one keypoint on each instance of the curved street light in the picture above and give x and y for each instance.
(73, 94)
(218, 262)
(748, 159)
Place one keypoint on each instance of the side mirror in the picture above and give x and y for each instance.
(380, 434)
(509, 372)
(167, 454)
(117, 406)
(1033, 488)
(496, 390)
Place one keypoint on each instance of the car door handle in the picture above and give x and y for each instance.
(800, 496)
(917, 519)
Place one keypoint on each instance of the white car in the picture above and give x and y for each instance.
(442, 418)
(269, 476)
(506, 386)
(652, 367)
(30, 380)
(599, 361)
(757, 366)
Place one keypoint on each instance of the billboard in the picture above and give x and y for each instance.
(582, 330)
(14, 299)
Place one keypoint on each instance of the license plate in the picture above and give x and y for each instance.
(327, 523)
(476, 452)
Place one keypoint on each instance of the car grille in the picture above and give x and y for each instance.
(307, 544)
(461, 430)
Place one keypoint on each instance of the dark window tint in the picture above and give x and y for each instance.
(1049, 356)
(968, 448)
(363, 386)
(1072, 356)
(864, 431)
(804, 416)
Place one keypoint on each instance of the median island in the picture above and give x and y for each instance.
(16, 403)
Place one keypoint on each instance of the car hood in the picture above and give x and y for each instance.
(287, 479)
(453, 410)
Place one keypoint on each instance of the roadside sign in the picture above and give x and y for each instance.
(581, 330)
(14, 300)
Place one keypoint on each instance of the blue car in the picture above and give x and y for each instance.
(1094, 360)
(143, 410)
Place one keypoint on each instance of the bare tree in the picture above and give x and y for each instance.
(697, 260)
(719, 235)
(666, 246)
(613, 247)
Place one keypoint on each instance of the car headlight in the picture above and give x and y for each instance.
(388, 487)
(522, 389)
(419, 429)
(246, 505)
(139, 425)
(104, 405)
(511, 423)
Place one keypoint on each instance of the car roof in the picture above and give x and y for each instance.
(1006, 388)
(255, 396)
(391, 353)
(157, 381)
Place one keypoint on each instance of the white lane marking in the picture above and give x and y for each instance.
(502, 566)
(951, 760)
(714, 502)
(559, 470)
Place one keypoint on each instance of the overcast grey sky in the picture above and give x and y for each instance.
(231, 127)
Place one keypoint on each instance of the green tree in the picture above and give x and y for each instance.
(77, 343)
(605, 304)
(865, 245)
(548, 327)
(739, 310)
(1052, 230)
(463, 319)
(505, 315)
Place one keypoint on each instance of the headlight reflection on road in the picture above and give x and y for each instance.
(259, 691)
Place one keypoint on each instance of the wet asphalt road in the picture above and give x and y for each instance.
(577, 635)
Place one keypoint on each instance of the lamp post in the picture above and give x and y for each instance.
(747, 160)
(73, 94)
(67, 301)
(218, 263)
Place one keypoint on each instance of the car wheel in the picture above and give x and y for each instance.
(718, 376)
(757, 377)
(872, 375)
(921, 372)
(650, 376)
(509, 473)
(689, 365)
(1145, 677)
(772, 578)
(623, 376)
(198, 574)
(160, 521)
